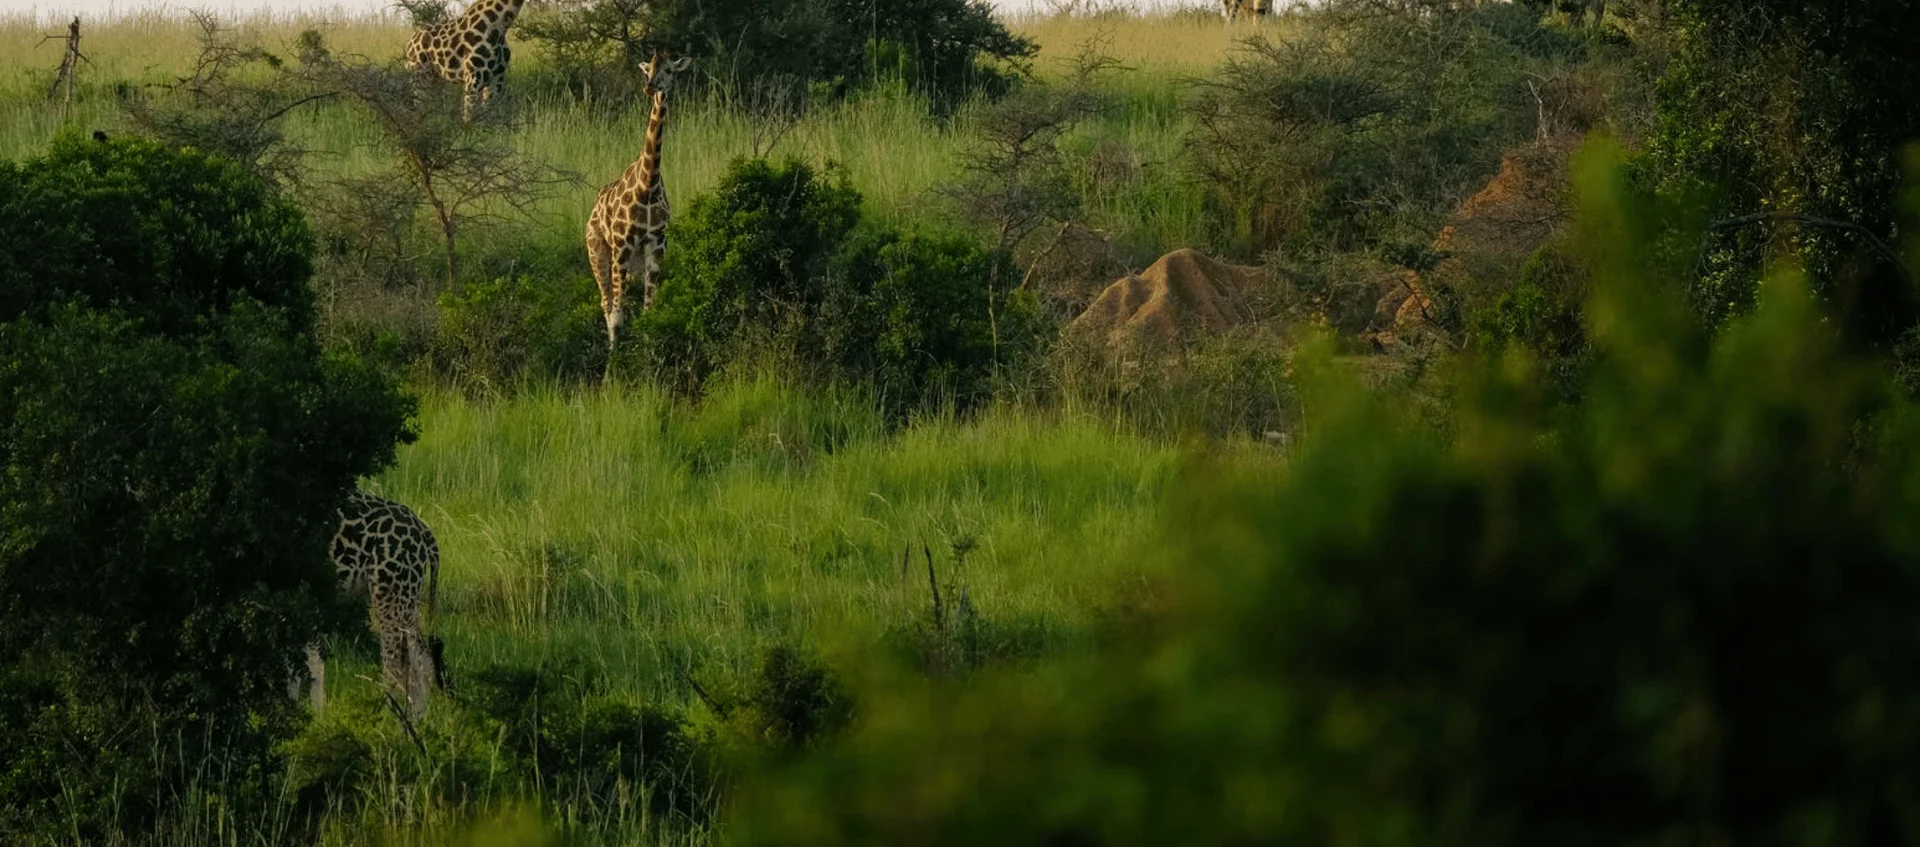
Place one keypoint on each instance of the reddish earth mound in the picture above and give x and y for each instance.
(1186, 291)
(1518, 209)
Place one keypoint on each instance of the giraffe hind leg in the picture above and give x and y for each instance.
(317, 676)
(656, 249)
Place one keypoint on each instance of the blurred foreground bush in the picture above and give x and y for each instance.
(1680, 611)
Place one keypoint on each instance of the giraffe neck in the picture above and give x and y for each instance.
(645, 170)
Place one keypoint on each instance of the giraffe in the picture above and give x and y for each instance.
(1253, 10)
(627, 231)
(383, 551)
(470, 49)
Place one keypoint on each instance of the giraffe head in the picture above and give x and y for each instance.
(659, 75)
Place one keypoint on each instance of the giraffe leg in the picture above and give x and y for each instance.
(317, 676)
(419, 675)
(656, 248)
(626, 269)
(600, 256)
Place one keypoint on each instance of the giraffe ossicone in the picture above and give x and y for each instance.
(470, 49)
(383, 551)
(627, 230)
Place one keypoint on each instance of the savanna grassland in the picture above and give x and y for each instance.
(896, 153)
(1500, 431)
(639, 542)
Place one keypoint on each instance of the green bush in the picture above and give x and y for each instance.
(1682, 614)
(575, 739)
(1784, 120)
(1541, 314)
(164, 238)
(173, 449)
(1366, 127)
(495, 333)
(945, 50)
(775, 266)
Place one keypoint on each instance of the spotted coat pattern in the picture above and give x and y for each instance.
(470, 50)
(627, 231)
(1252, 10)
(384, 552)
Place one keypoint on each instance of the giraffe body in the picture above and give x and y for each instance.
(470, 50)
(383, 551)
(627, 231)
(1253, 10)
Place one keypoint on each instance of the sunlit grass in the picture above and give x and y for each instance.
(640, 535)
(893, 150)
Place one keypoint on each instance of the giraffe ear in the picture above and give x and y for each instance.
(680, 64)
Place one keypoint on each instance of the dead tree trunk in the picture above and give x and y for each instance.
(69, 64)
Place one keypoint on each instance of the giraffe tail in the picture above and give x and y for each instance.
(436, 648)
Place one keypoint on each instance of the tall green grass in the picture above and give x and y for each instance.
(896, 154)
(640, 536)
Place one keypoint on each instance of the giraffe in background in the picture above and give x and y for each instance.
(1253, 10)
(627, 231)
(470, 49)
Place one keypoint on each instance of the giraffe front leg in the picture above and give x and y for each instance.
(471, 91)
(627, 269)
(317, 678)
(656, 250)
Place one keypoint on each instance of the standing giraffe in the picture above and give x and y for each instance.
(1253, 10)
(385, 552)
(470, 49)
(627, 231)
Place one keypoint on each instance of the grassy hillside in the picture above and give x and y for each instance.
(896, 154)
(639, 536)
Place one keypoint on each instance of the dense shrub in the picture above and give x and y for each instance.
(776, 265)
(173, 448)
(1784, 119)
(1683, 614)
(1365, 126)
(164, 238)
(1541, 314)
(942, 49)
(576, 740)
(494, 333)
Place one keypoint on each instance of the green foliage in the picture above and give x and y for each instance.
(173, 448)
(1367, 126)
(1784, 118)
(1682, 614)
(495, 333)
(775, 264)
(577, 739)
(793, 702)
(1542, 315)
(163, 237)
(942, 49)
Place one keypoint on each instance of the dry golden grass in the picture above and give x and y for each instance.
(1186, 44)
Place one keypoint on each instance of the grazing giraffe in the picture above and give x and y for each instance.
(627, 231)
(1253, 10)
(470, 49)
(385, 552)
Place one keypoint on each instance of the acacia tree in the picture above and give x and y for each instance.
(466, 173)
(1015, 178)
